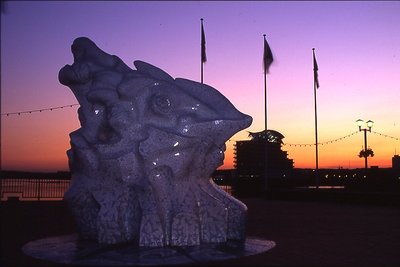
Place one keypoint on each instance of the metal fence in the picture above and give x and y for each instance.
(33, 189)
(227, 188)
(44, 189)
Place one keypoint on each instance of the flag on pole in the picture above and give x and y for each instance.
(315, 70)
(203, 44)
(268, 58)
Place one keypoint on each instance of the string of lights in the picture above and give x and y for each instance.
(37, 110)
(336, 140)
(285, 144)
(322, 143)
(385, 135)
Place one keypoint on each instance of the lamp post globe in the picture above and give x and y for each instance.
(370, 124)
(359, 123)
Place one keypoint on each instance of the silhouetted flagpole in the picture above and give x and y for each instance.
(316, 86)
(267, 61)
(203, 49)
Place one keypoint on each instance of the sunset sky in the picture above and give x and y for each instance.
(357, 47)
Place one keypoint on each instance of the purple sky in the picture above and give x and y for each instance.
(357, 47)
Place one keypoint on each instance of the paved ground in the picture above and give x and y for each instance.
(307, 233)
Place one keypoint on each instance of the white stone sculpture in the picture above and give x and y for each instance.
(142, 160)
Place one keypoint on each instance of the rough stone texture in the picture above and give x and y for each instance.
(142, 160)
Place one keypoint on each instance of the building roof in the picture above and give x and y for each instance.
(269, 135)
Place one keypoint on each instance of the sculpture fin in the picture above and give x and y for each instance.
(153, 71)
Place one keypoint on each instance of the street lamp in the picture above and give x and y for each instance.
(369, 123)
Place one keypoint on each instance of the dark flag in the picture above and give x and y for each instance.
(315, 70)
(268, 58)
(203, 44)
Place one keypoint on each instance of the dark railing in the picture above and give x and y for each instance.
(33, 189)
(227, 188)
(44, 189)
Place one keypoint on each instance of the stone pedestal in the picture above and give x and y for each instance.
(69, 249)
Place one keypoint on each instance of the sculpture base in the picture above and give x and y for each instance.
(68, 249)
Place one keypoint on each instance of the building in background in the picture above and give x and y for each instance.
(260, 162)
(396, 164)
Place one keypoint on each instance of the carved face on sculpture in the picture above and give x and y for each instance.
(188, 123)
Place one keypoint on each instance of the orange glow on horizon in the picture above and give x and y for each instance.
(340, 154)
(37, 141)
(31, 147)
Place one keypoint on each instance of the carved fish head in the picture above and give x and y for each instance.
(181, 117)
(181, 106)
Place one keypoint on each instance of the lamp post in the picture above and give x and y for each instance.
(369, 123)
